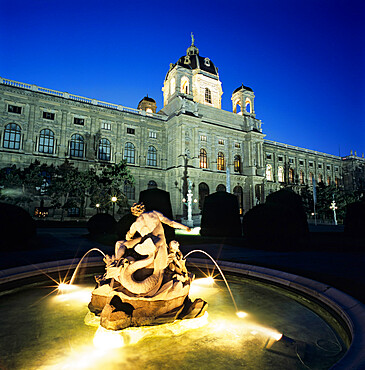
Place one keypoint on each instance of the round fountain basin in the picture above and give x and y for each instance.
(277, 328)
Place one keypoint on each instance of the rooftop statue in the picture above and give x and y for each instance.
(146, 281)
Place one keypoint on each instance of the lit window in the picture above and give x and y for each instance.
(12, 135)
(328, 180)
(131, 131)
(104, 152)
(220, 162)
(129, 153)
(301, 177)
(237, 145)
(48, 115)
(336, 181)
(46, 141)
(79, 121)
(203, 158)
(269, 172)
(237, 163)
(203, 138)
(149, 110)
(152, 156)
(311, 177)
(281, 174)
(152, 134)
(106, 125)
(185, 85)
(221, 142)
(208, 96)
(77, 146)
(14, 109)
(319, 178)
(291, 176)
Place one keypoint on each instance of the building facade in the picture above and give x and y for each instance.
(191, 139)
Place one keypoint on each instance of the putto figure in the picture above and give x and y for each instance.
(146, 281)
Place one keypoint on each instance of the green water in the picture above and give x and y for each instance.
(40, 330)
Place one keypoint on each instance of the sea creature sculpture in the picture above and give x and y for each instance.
(146, 281)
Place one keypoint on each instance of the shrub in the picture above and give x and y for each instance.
(159, 200)
(220, 216)
(101, 223)
(280, 223)
(354, 222)
(124, 224)
(16, 227)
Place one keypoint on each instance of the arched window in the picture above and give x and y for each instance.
(208, 96)
(172, 86)
(291, 176)
(248, 105)
(336, 182)
(269, 172)
(129, 153)
(46, 141)
(152, 156)
(310, 178)
(238, 192)
(237, 163)
(104, 153)
(152, 184)
(12, 135)
(129, 190)
(203, 192)
(328, 180)
(301, 177)
(203, 158)
(280, 174)
(185, 85)
(220, 162)
(319, 178)
(221, 187)
(77, 146)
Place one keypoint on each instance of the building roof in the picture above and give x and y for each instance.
(147, 98)
(243, 87)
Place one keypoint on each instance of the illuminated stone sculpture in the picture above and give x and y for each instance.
(146, 281)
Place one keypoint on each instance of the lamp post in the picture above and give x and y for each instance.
(334, 207)
(114, 199)
(97, 205)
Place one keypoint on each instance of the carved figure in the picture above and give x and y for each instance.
(146, 281)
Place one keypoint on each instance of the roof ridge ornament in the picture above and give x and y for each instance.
(192, 39)
(192, 49)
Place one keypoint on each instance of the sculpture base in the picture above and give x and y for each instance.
(118, 312)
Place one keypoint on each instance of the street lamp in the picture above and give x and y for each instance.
(97, 205)
(334, 207)
(114, 199)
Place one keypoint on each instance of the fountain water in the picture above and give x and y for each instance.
(239, 313)
(78, 265)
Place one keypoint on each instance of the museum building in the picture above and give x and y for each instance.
(190, 140)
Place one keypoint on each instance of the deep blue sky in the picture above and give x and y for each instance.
(304, 59)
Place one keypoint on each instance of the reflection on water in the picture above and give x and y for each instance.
(50, 333)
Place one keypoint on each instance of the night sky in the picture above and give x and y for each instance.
(303, 59)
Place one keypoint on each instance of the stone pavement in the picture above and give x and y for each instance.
(342, 270)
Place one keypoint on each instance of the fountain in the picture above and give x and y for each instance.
(150, 311)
